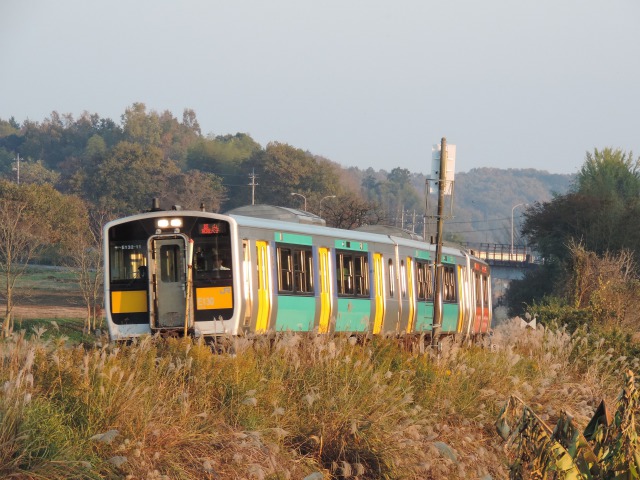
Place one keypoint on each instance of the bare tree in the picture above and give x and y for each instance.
(19, 242)
(351, 211)
(31, 217)
(86, 262)
(607, 285)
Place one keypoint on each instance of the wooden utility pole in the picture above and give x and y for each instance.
(437, 262)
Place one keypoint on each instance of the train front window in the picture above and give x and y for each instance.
(127, 261)
(212, 250)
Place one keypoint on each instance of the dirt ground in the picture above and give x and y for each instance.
(47, 304)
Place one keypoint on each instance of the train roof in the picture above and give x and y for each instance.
(290, 220)
(273, 212)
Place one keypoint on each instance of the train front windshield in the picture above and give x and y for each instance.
(148, 270)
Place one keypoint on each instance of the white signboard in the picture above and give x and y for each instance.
(450, 167)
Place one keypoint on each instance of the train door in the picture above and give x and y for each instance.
(246, 275)
(486, 301)
(481, 290)
(378, 285)
(168, 278)
(411, 291)
(325, 290)
(424, 293)
(466, 311)
(264, 295)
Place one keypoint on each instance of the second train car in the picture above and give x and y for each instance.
(251, 272)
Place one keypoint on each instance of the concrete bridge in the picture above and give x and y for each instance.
(507, 263)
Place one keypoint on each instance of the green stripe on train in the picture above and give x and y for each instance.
(351, 245)
(293, 238)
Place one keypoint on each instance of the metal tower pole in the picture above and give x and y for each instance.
(437, 301)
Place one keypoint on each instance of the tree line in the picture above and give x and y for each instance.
(122, 166)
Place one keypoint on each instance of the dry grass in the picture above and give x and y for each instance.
(289, 407)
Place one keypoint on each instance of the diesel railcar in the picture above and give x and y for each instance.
(250, 271)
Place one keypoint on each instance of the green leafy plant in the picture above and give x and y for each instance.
(608, 448)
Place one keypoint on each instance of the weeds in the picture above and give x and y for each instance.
(283, 407)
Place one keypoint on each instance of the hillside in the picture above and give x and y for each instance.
(482, 200)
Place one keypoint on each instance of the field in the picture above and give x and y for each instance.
(48, 292)
(288, 407)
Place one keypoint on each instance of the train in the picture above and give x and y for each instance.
(263, 269)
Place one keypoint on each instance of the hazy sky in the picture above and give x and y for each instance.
(514, 84)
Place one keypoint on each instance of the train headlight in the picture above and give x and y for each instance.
(169, 222)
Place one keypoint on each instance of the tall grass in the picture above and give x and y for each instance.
(283, 407)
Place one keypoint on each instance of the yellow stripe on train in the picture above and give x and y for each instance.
(129, 302)
(214, 297)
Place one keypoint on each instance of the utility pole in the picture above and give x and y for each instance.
(437, 262)
(17, 168)
(253, 185)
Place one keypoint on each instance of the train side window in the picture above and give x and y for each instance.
(353, 274)
(403, 279)
(295, 270)
(307, 260)
(361, 277)
(478, 282)
(485, 289)
(425, 281)
(430, 282)
(303, 271)
(449, 284)
(285, 273)
(347, 275)
(392, 283)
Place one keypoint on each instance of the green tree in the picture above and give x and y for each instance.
(192, 189)
(601, 213)
(36, 172)
(141, 127)
(161, 130)
(222, 155)
(283, 169)
(130, 176)
(6, 163)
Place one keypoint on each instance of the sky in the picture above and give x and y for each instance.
(364, 83)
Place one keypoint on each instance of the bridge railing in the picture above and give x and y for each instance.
(501, 253)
